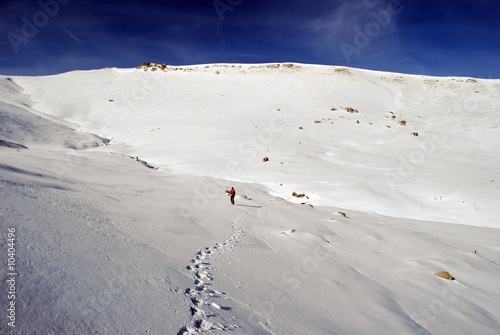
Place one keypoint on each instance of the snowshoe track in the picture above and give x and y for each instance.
(203, 310)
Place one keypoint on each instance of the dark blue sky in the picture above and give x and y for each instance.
(457, 37)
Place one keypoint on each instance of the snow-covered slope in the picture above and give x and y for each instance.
(123, 226)
(182, 118)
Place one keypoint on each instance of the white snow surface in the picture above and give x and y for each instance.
(115, 180)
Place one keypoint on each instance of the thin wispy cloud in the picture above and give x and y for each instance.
(70, 34)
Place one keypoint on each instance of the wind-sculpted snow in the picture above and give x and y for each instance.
(339, 231)
(298, 116)
(22, 128)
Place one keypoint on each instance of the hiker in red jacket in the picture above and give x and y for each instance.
(232, 193)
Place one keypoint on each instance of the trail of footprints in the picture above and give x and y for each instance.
(204, 311)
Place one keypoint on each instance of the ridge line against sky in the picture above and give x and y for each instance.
(438, 38)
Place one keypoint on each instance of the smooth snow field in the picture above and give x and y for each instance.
(354, 188)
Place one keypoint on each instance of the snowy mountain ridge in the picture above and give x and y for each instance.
(350, 184)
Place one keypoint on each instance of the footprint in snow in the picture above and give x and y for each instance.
(200, 309)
